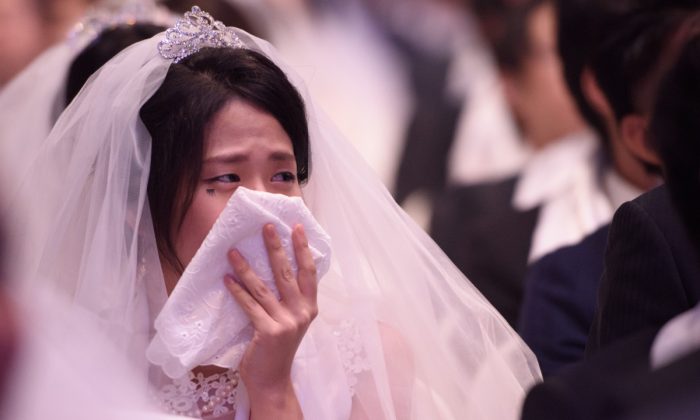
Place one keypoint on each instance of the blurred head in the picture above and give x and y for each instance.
(223, 118)
(21, 36)
(523, 36)
(633, 53)
(577, 37)
(102, 49)
(675, 133)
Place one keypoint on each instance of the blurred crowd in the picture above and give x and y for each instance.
(549, 147)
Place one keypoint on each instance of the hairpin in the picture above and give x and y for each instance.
(197, 29)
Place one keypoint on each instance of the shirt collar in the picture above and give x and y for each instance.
(618, 189)
(550, 170)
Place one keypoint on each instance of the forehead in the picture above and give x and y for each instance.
(241, 125)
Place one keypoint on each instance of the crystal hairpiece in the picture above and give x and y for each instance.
(107, 16)
(194, 31)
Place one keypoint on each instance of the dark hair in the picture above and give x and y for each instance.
(177, 116)
(675, 133)
(505, 26)
(631, 58)
(102, 49)
(578, 23)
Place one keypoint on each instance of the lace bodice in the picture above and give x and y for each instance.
(351, 351)
(201, 396)
(213, 396)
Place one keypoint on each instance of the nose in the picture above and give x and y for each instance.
(257, 184)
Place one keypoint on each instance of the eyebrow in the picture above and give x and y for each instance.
(241, 157)
(281, 156)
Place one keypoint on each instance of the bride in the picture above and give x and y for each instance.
(135, 173)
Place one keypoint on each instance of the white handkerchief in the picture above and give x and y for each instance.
(200, 323)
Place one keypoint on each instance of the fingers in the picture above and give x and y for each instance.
(257, 315)
(305, 262)
(284, 276)
(256, 289)
(298, 304)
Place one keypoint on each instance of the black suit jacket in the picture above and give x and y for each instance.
(561, 290)
(651, 273)
(617, 383)
(487, 239)
(431, 129)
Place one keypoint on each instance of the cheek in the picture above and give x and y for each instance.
(296, 191)
(198, 221)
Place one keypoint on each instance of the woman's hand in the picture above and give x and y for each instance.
(279, 325)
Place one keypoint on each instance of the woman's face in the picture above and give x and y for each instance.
(243, 146)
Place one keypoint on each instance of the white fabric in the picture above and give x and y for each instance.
(564, 180)
(29, 105)
(678, 337)
(200, 324)
(60, 371)
(33, 100)
(435, 348)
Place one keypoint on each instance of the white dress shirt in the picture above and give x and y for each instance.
(575, 191)
(679, 337)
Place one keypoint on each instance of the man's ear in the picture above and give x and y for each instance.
(595, 97)
(633, 130)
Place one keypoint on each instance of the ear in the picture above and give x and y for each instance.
(633, 130)
(595, 96)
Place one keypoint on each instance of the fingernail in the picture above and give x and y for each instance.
(235, 255)
(302, 235)
(269, 230)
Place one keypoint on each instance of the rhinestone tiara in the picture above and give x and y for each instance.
(107, 16)
(197, 29)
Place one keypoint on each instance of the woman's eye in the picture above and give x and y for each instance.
(284, 177)
(228, 178)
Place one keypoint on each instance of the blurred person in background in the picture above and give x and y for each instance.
(20, 36)
(42, 91)
(427, 35)
(28, 27)
(458, 106)
(33, 101)
(651, 269)
(652, 373)
(613, 74)
(487, 145)
(491, 230)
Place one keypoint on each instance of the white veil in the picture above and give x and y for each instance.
(34, 99)
(400, 330)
